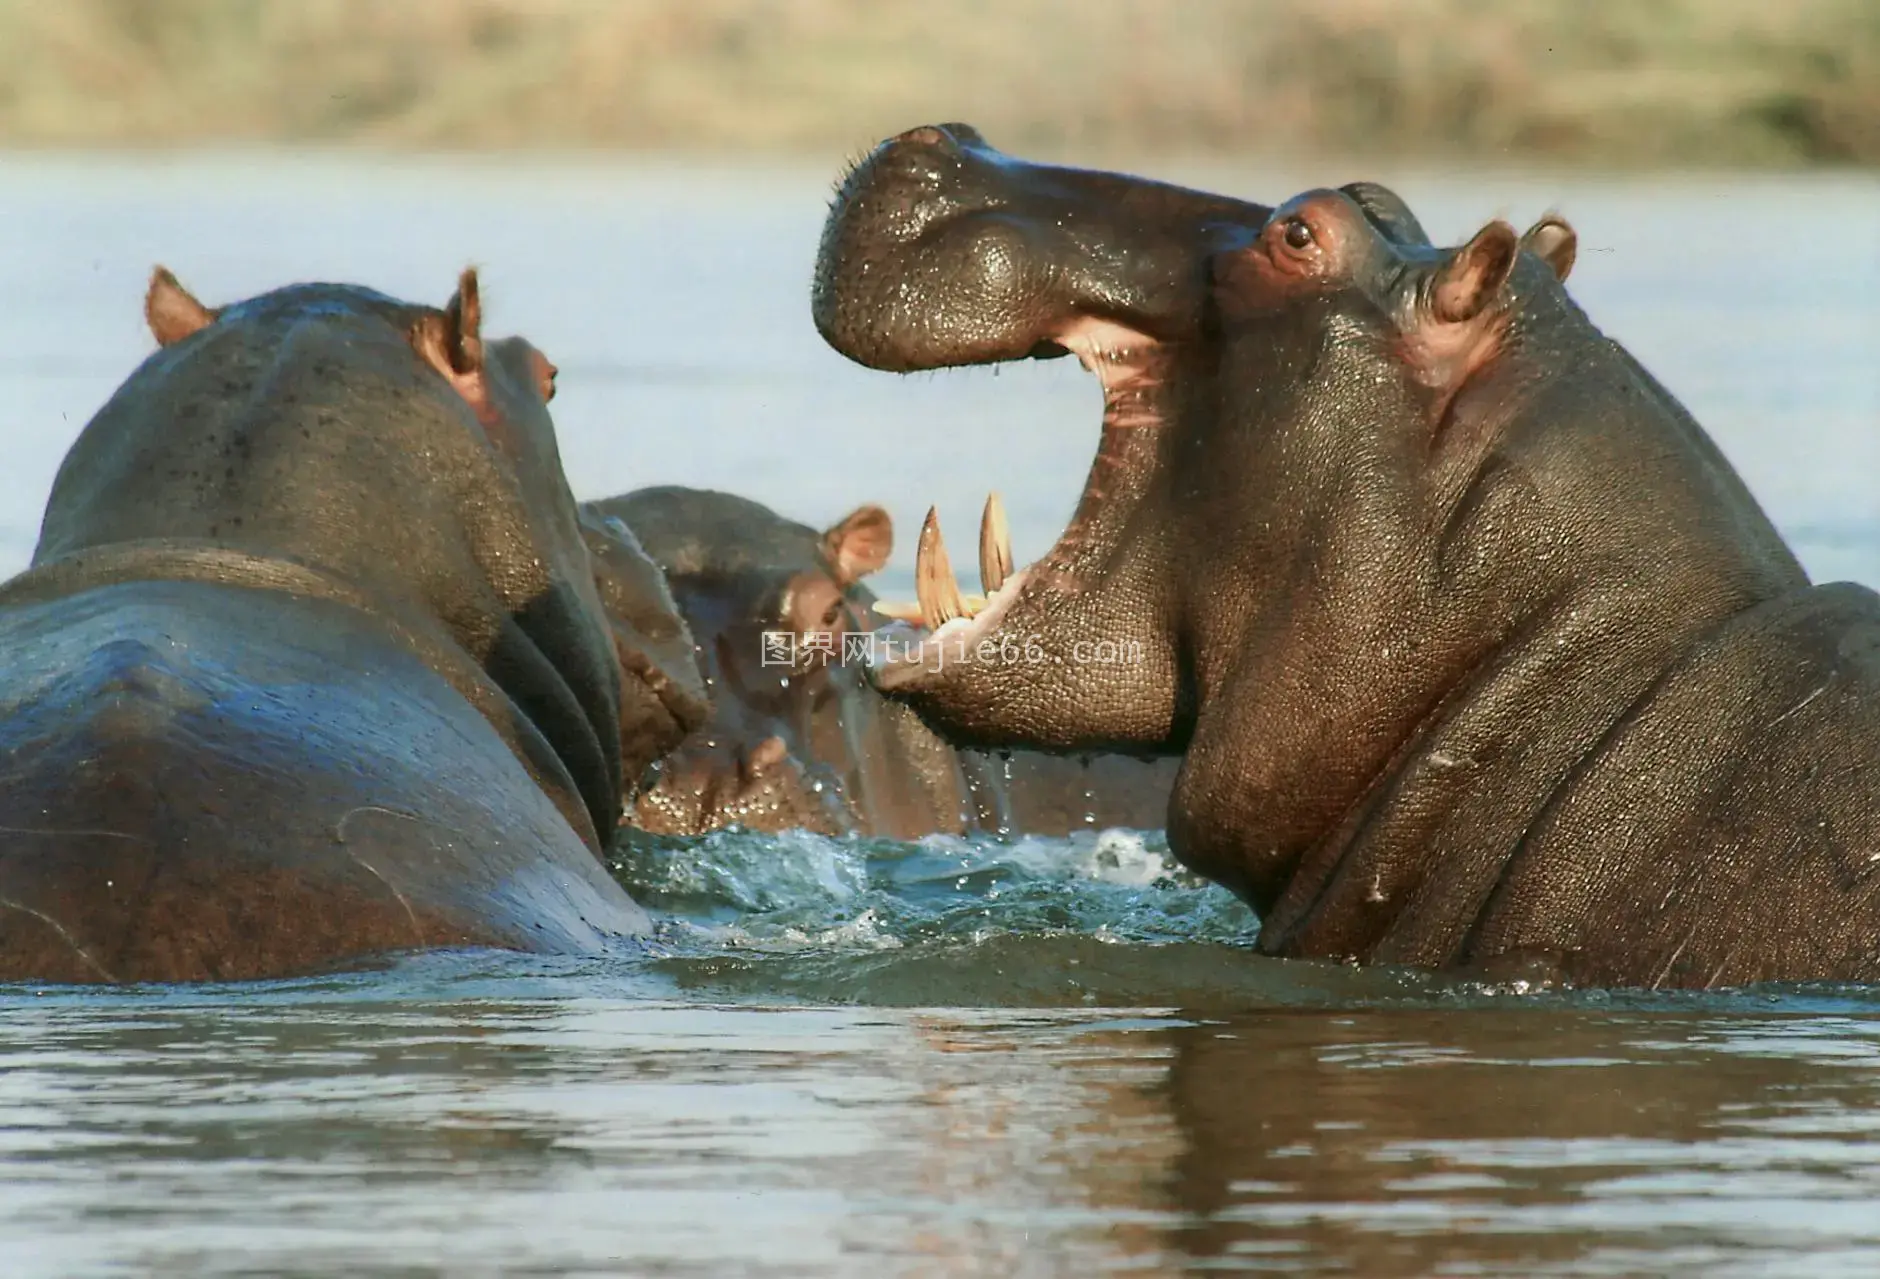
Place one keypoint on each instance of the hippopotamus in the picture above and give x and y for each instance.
(799, 738)
(1480, 656)
(309, 665)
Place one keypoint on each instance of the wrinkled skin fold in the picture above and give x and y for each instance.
(1479, 654)
(663, 698)
(309, 665)
(808, 743)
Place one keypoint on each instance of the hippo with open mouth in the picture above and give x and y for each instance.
(309, 665)
(1480, 655)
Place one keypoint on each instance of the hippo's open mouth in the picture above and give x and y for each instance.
(942, 252)
(963, 629)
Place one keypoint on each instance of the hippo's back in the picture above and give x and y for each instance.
(211, 782)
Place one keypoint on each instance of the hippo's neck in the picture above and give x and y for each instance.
(1406, 875)
(1592, 546)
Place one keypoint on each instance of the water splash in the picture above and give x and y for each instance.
(735, 873)
(872, 919)
(1101, 918)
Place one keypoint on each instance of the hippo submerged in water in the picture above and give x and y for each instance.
(800, 739)
(1480, 654)
(310, 665)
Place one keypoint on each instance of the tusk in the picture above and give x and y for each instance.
(995, 546)
(934, 584)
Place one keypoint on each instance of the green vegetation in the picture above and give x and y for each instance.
(1608, 82)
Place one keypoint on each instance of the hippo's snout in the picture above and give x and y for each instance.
(706, 786)
(931, 257)
(941, 250)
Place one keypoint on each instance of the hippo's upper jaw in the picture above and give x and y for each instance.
(941, 251)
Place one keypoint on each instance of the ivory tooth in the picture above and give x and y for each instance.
(995, 546)
(934, 584)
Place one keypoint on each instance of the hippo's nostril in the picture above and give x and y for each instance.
(767, 755)
(951, 138)
(964, 135)
(926, 136)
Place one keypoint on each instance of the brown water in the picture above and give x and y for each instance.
(566, 1122)
(1039, 1057)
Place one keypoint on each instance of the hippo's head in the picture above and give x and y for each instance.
(755, 588)
(400, 455)
(941, 251)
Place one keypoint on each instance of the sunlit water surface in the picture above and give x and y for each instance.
(1010, 1057)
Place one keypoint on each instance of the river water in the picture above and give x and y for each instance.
(1022, 1057)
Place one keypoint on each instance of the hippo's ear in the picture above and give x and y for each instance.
(1554, 242)
(1387, 211)
(451, 341)
(1472, 275)
(860, 544)
(172, 311)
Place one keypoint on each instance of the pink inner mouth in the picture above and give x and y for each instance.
(1123, 361)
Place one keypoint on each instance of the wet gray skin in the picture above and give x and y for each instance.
(812, 745)
(1480, 654)
(662, 691)
(310, 664)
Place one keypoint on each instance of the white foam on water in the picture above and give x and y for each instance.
(1125, 857)
(864, 932)
(755, 872)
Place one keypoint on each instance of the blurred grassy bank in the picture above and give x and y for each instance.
(1604, 82)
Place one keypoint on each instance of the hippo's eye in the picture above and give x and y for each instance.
(1298, 234)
